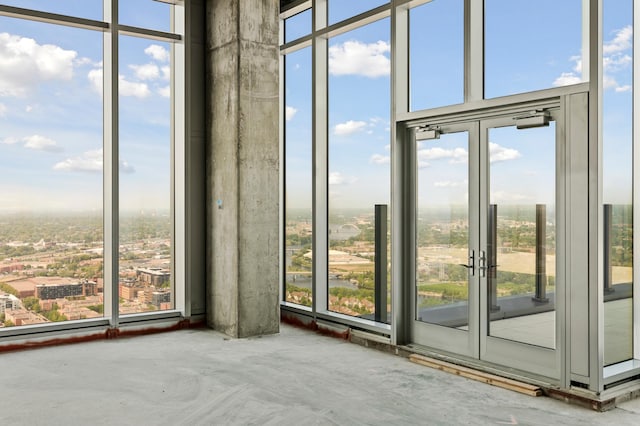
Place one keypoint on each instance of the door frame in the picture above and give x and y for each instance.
(526, 358)
(537, 359)
(462, 342)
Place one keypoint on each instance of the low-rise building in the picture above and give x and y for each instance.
(9, 302)
(156, 277)
(59, 291)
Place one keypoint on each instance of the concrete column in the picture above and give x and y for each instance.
(242, 167)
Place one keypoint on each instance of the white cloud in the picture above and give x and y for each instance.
(41, 143)
(455, 155)
(3, 110)
(499, 153)
(290, 112)
(616, 63)
(380, 159)
(357, 58)
(126, 87)
(349, 128)
(166, 72)
(615, 59)
(130, 88)
(337, 178)
(95, 78)
(146, 71)
(165, 92)
(609, 82)
(621, 41)
(127, 168)
(24, 63)
(567, 78)
(158, 53)
(9, 141)
(449, 184)
(89, 162)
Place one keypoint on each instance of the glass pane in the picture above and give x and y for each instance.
(531, 45)
(51, 238)
(359, 166)
(617, 180)
(299, 178)
(442, 283)
(150, 14)
(436, 54)
(146, 273)
(339, 10)
(89, 9)
(521, 234)
(297, 26)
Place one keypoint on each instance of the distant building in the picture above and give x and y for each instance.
(60, 291)
(153, 276)
(23, 317)
(9, 302)
(7, 269)
(158, 298)
(129, 290)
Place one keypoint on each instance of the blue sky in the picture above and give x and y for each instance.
(51, 112)
(527, 48)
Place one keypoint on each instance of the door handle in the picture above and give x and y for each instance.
(471, 266)
(483, 264)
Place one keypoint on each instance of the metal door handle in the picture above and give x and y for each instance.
(483, 264)
(472, 262)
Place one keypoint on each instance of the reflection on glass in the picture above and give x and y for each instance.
(151, 14)
(340, 10)
(298, 178)
(521, 234)
(51, 238)
(617, 180)
(359, 167)
(520, 57)
(436, 54)
(89, 9)
(442, 283)
(146, 272)
(297, 26)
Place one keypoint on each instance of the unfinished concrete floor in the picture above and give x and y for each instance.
(200, 377)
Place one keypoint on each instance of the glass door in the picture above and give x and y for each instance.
(485, 239)
(518, 181)
(446, 255)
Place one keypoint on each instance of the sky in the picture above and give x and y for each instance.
(51, 111)
(520, 56)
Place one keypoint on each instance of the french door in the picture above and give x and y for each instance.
(485, 227)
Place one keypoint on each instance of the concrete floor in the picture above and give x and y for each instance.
(199, 377)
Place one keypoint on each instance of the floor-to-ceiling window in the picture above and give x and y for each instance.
(617, 179)
(87, 175)
(298, 179)
(342, 169)
(568, 140)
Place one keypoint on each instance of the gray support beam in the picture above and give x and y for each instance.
(242, 61)
(195, 141)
